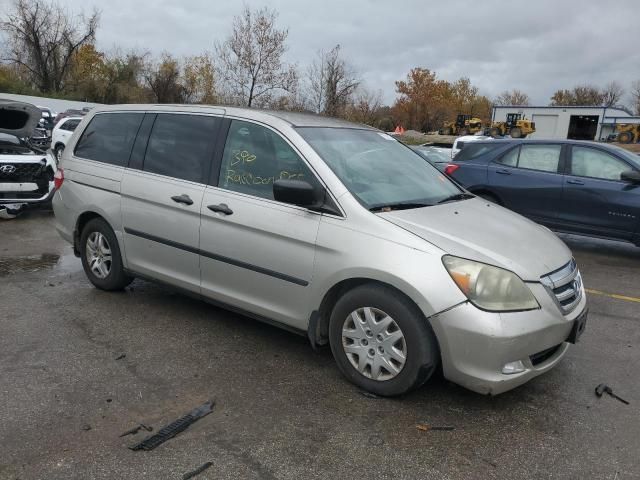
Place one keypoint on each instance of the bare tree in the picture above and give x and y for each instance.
(340, 83)
(635, 96)
(164, 79)
(365, 106)
(316, 82)
(250, 59)
(611, 94)
(43, 37)
(580, 95)
(512, 97)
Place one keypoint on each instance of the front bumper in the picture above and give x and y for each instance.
(17, 196)
(476, 345)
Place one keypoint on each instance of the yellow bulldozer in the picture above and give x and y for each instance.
(628, 132)
(515, 126)
(464, 125)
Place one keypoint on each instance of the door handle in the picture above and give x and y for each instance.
(502, 171)
(573, 181)
(184, 198)
(222, 208)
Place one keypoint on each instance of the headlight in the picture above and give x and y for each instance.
(488, 287)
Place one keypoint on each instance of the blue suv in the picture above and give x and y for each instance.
(571, 186)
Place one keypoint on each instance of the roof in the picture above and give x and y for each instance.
(568, 107)
(294, 119)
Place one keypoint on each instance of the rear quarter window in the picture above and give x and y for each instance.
(109, 138)
(474, 150)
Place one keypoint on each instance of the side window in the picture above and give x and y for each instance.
(71, 125)
(109, 138)
(473, 150)
(254, 157)
(540, 157)
(181, 146)
(589, 162)
(510, 158)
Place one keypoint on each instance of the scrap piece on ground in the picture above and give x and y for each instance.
(604, 388)
(174, 428)
(197, 471)
(136, 429)
(425, 427)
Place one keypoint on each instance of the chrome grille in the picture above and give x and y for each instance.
(565, 286)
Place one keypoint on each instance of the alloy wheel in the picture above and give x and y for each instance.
(98, 253)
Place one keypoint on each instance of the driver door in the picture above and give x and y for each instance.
(257, 254)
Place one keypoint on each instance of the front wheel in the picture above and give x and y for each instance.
(381, 340)
(101, 258)
(625, 137)
(516, 132)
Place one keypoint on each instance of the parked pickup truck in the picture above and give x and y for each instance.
(26, 171)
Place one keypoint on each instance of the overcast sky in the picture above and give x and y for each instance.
(536, 46)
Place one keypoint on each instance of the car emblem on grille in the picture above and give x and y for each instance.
(7, 169)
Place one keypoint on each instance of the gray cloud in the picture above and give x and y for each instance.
(537, 47)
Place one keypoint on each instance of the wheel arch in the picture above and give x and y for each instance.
(81, 221)
(318, 329)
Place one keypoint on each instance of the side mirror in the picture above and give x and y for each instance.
(298, 192)
(631, 176)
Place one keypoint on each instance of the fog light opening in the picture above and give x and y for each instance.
(513, 367)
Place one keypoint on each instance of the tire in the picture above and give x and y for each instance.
(495, 132)
(57, 152)
(463, 132)
(515, 132)
(417, 341)
(101, 236)
(625, 137)
(446, 131)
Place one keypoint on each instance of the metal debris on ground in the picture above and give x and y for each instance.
(174, 428)
(423, 427)
(120, 357)
(197, 471)
(369, 394)
(604, 388)
(136, 429)
(86, 427)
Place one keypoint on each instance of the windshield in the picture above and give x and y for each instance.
(377, 169)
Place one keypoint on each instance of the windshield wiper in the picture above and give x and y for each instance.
(456, 197)
(398, 206)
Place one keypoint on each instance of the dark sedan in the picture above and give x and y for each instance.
(578, 187)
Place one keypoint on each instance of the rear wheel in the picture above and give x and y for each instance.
(446, 131)
(381, 341)
(494, 132)
(516, 132)
(463, 132)
(101, 258)
(625, 137)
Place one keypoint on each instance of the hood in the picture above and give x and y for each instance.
(18, 118)
(485, 232)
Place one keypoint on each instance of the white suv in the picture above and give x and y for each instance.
(62, 133)
(327, 228)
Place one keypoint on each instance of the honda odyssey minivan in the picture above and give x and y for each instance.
(327, 228)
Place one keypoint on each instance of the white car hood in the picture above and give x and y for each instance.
(482, 231)
(18, 118)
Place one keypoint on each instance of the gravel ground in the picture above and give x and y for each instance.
(79, 366)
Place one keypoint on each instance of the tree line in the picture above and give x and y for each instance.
(50, 51)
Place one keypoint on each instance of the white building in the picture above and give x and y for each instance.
(578, 123)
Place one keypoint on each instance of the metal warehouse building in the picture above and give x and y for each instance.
(578, 123)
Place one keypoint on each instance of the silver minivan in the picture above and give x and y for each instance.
(327, 228)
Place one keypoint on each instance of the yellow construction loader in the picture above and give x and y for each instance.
(515, 126)
(628, 132)
(464, 125)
